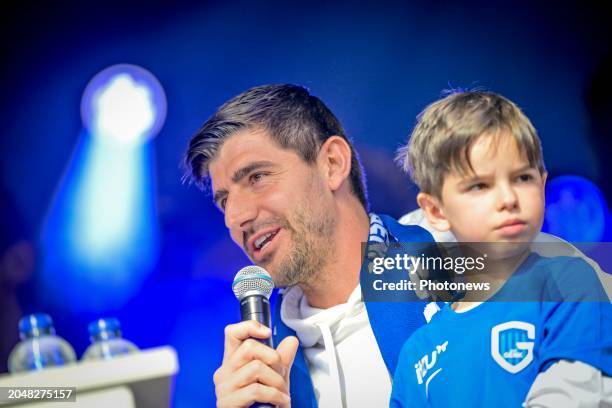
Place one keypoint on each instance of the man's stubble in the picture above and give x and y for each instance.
(312, 237)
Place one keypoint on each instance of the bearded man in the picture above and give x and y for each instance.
(291, 189)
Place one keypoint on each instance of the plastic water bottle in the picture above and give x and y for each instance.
(106, 341)
(39, 346)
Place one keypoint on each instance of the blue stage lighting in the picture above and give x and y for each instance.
(101, 234)
(124, 103)
(576, 210)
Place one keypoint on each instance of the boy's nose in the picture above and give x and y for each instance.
(508, 199)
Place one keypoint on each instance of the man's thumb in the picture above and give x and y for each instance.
(287, 350)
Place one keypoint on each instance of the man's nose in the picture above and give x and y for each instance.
(240, 211)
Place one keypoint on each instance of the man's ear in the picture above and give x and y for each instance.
(334, 160)
(432, 207)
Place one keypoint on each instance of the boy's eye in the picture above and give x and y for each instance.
(477, 187)
(525, 177)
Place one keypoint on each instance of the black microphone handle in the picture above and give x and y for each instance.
(257, 307)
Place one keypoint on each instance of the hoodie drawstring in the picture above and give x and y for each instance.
(334, 372)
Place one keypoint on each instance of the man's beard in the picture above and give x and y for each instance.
(312, 248)
(311, 230)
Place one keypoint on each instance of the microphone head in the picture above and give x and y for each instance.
(252, 280)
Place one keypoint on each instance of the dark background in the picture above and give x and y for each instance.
(376, 64)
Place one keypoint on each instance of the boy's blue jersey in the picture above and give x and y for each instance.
(490, 355)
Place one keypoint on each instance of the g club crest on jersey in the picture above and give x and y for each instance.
(512, 345)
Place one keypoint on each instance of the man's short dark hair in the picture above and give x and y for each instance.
(293, 117)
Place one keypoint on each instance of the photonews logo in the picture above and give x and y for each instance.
(512, 345)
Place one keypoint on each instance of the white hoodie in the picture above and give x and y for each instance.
(345, 363)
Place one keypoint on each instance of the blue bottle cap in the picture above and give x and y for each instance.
(35, 325)
(104, 329)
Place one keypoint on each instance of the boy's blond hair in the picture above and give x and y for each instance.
(447, 129)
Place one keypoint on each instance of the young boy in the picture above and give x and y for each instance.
(478, 163)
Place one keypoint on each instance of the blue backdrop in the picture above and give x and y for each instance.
(376, 65)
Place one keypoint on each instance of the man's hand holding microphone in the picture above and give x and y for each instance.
(252, 371)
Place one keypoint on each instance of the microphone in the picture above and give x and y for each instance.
(253, 286)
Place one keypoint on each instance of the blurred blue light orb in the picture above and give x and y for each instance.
(124, 103)
(576, 210)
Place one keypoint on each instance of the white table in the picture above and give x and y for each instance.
(139, 380)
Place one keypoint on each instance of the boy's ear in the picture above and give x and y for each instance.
(334, 160)
(434, 212)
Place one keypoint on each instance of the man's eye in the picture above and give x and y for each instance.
(256, 177)
(220, 203)
(525, 177)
